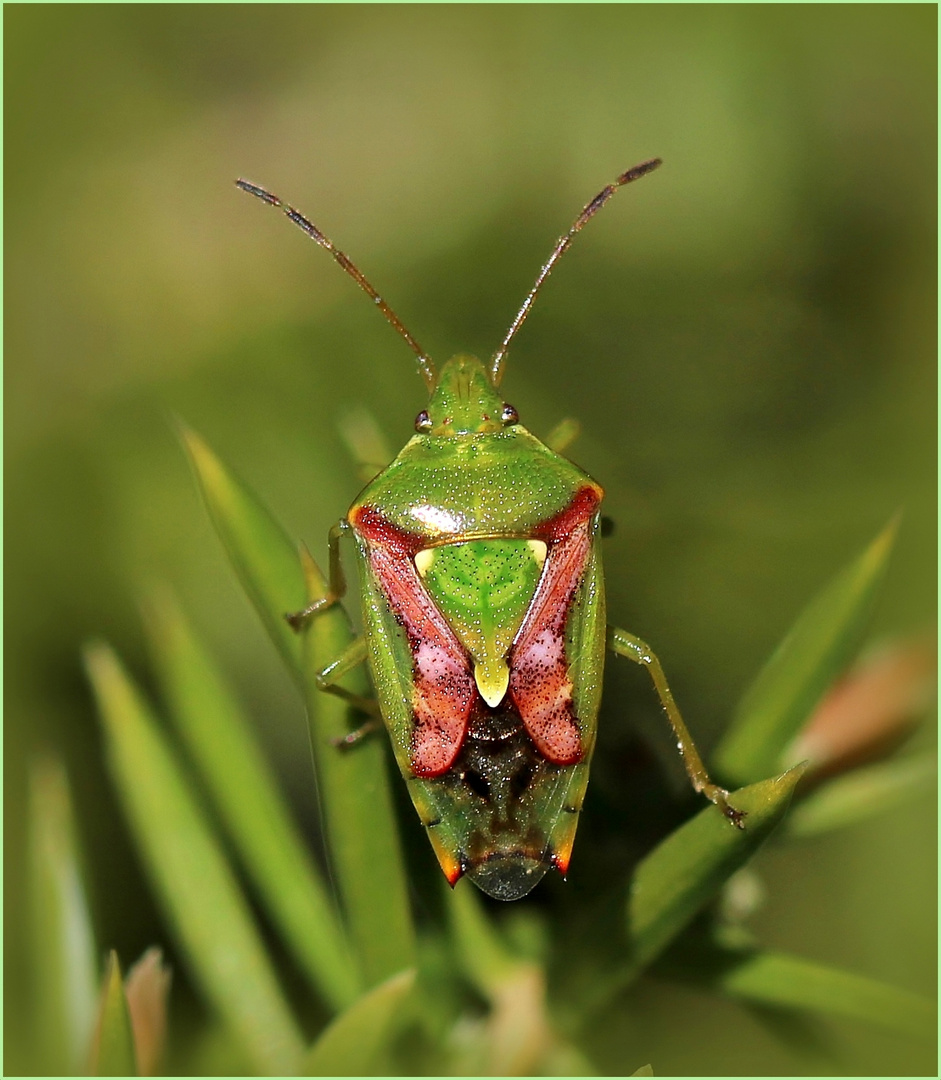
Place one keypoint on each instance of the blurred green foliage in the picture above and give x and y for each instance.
(748, 339)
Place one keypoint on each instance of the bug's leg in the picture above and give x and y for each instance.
(562, 436)
(327, 680)
(336, 584)
(625, 644)
(357, 735)
(365, 443)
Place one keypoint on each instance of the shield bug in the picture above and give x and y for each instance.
(479, 558)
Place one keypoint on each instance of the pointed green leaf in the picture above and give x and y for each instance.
(678, 877)
(264, 559)
(63, 953)
(148, 990)
(813, 654)
(644, 1070)
(221, 742)
(191, 874)
(778, 979)
(113, 1047)
(354, 1043)
(357, 804)
(674, 881)
(729, 961)
(862, 794)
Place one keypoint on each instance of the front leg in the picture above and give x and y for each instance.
(327, 678)
(624, 644)
(561, 437)
(336, 584)
(327, 681)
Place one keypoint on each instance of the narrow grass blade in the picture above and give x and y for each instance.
(778, 979)
(191, 875)
(113, 1047)
(670, 886)
(357, 806)
(354, 1044)
(690, 866)
(813, 654)
(220, 741)
(63, 951)
(263, 556)
(862, 794)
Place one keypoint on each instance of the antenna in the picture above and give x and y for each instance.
(499, 357)
(425, 365)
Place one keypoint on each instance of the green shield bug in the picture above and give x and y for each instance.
(478, 551)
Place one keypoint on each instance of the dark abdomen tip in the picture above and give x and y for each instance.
(507, 876)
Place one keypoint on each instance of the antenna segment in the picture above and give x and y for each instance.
(499, 357)
(425, 365)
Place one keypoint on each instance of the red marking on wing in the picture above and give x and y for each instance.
(444, 690)
(379, 531)
(561, 859)
(579, 512)
(539, 678)
(453, 871)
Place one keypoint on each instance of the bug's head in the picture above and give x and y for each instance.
(464, 401)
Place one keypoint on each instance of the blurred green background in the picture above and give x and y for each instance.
(748, 337)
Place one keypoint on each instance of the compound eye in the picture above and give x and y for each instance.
(509, 415)
(423, 422)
